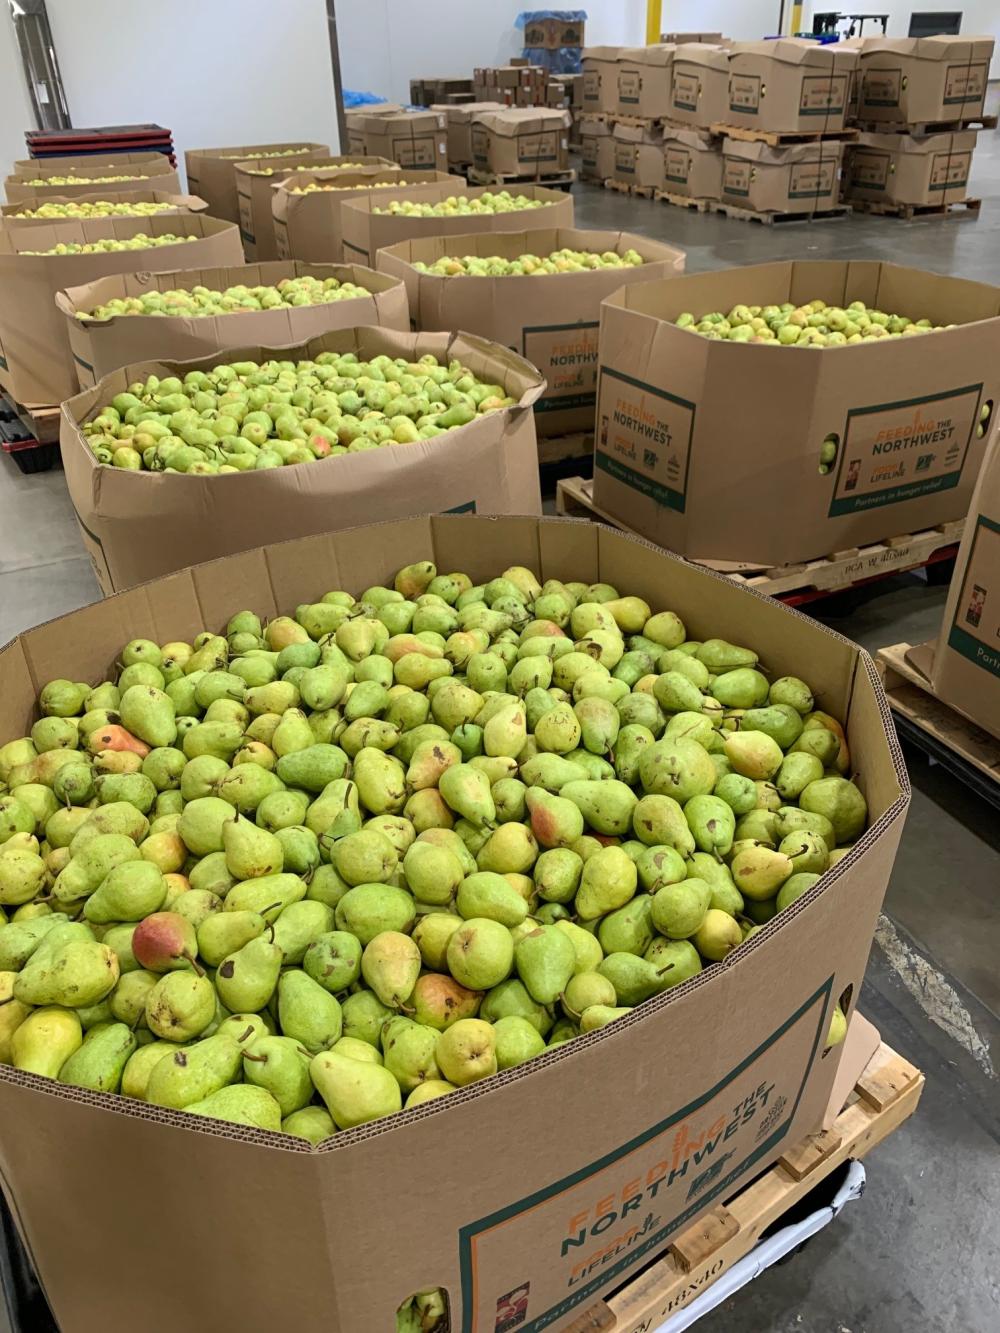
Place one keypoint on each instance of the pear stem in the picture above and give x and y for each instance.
(189, 956)
(260, 1059)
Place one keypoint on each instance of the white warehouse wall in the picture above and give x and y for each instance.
(216, 72)
(18, 114)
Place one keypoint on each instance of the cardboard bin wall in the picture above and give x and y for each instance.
(211, 172)
(655, 1118)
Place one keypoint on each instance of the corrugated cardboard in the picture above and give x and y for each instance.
(911, 80)
(700, 85)
(99, 347)
(36, 364)
(638, 156)
(255, 191)
(309, 226)
(211, 172)
(644, 81)
(552, 321)
(366, 232)
(647, 1123)
(716, 454)
(910, 169)
(692, 164)
(354, 121)
(553, 33)
(458, 120)
(597, 150)
(965, 671)
(153, 172)
(179, 203)
(600, 78)
(527, 141)
(789, 84)
(414, 139)
(795, 178)
(139, 525)
(716, 38)
(87, 162)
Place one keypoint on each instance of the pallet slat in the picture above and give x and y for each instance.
(840, 569)
(685, 201)
(560, 448)
(883, 209)
(748, 134)
(737, 214)
(702, 1252)
(626, 187)
(928, 126)
(553, 180)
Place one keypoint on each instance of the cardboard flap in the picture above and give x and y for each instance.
(658, 57)
(465, 111)
(702, 55)
(921, 658)
(522, 120)
(702, 140)
(943, 46)
(608, 54)
(797, 51)
(823, 150)
(859, 1046)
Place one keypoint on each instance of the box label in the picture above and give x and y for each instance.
(812, 180)
(625, 159)
(687, 90)
(677, 165)
(246, 218)
(881, 87)
(870, 169)
(575, 1236)
(823, 95)
(965, 83)
(591, 85)
(902, 451)
(538, 147)
(480, 146)
(644, 437)
(950, 171)
(737, 177)
(975, 631)
(629, 86)
(744, 93)
(566, 354)
(415, 152)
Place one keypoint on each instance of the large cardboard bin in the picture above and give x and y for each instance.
(211, 172)
(638, 156)
(139, 525)
(10, 219)
(912, 80)
(716, 454)
(36, 363)
(255, 182)
(151, 171)
(309, 226)
(415, 139)
(699, 90)
(792, 178)
(600, 79)
(540, 1189)
(790, 84)
(910, 169)
(100, 346)
(458, 120)
(692, 164)
(597, 150)
(366, 232)
(67, 164)
(645, 76)
(521, 141)
(552, 321)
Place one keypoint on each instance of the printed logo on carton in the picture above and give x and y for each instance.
(870, 168)
(583, 1231)
(975, 630)
(687, 90)
(566, 354)
(881, 87)
(737, 176)
(965, 83)
(629, 86)
(823, 95)
(744, 93)
(950, 171)
(677, 165)
(812, 180)
(415, 152)
(902, 451)
(644, 437)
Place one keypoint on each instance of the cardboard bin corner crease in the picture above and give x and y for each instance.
(656, 1122)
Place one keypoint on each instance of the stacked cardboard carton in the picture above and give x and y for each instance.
(459, 120)
(511, 85)
(412, 138)
(553, 34)
(915, 100)
(449, 92)
(522, 142)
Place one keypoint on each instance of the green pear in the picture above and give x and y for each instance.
(267, 895)
(517, 1040)
(308, 1012)
(312, 1123)
(409, 1050)
(807, 851)
(600, 1015)
(129, 892)
(467, 791)
(634, 978)
(194, 1072)
(677, 767)
(779, 721)
(675, 960)
(246, 979)
(717, 935)
(841, 802)
(45, 1039)
(281, 1066)
(791, 819)
(357, 1049)
(720, 656)
(227, 932)
(676, 692)
(659, 865)
(312, 768)
(606, 806)
(333, 960)
(658, 820)
(439, 1000)
(794, 887)
(551, 771)
(599, 723)
(140, 1065)
(381, 781)
(742, 687)
(79, 973)
(127, 1002)
(202, 823)
(298, 925)
(557, 874)
(587, 988)
(679, 909)
(282, 809)
(240, 1104)
(753, 754)
(365, 857)
(390, 965)
(505, 733)
(629, 929)
(364, 1016)
(480, 953)
(555, 820)
(487, 894)
(759, 872)
(433, 874)
(147, 712)
(545, 960)
(368, 909)
(355, 1091)
(99, 1062)
(558, 730)
(793, 691)
(608, 881)
(795, 774)
(180, 1006)
(466, 1052)
(712, 823)
(431, 935)
(820, 743)
(90, 866)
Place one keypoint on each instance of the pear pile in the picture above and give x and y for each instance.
(459, 205)
(109, 244)
(314, 187)
(307, 166)
(814, 324)
(303, 874)
(244, 416)
(559, 261)
(97, 208)
(86, 180)
(198, 301)
(277, 152)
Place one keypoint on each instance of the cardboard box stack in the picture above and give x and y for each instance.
(715, 38)
(915, 100)
(13, 216)
(692, 164)
(511, 85)
(699, 86)
(790, 85)
(597, 149)
(691, 432)
(141, 525)
(355, 121)
(524, 143)
(638, 157)
(551, 320)
(789, 178)
(459, 124)
(554, 33)
(600, 81)
(429, 92)
(596, 102)
(139, 171)
(211, 172)
(644, 82)
(411, 138)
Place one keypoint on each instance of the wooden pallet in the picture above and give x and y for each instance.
(684, 201)
(553, 180)
(561, 448)
(799, 582)
(882, 208)
(626, 187)
(640, 122)
(968, 751)
(780, 219)
(884, 1097)
(927, 126)
(776, 138)
(29, 436)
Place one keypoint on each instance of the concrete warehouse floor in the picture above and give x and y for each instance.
(921, 1252)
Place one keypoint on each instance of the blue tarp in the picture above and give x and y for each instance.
(563, 15)
(353, 99)
(563, 60)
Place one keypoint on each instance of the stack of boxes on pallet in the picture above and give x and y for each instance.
(916, 100)
(511, 85)
(437, 91)
(412, 138)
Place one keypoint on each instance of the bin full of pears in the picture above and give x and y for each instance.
(308, 872)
